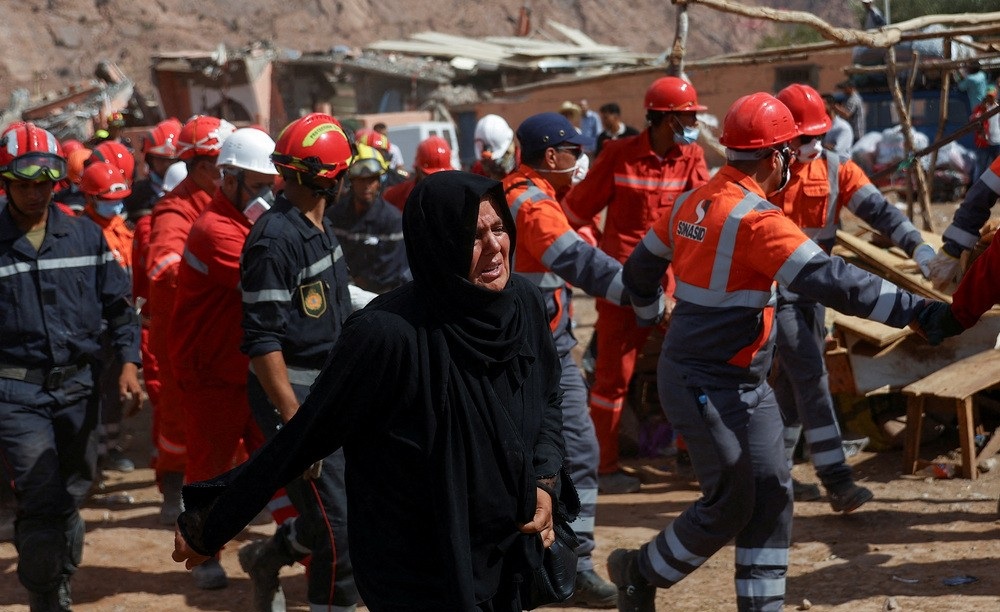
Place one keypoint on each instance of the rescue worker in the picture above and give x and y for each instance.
(295, 301)
(822, 184)
(963, 233)
(496, 150)
(104, 188)
(368, 229)
(433, 155)
(637, 180)
(71, 196)
(159, 151)
(205, 334)
(380, 142)
(198, 145)
(395, 154)
(550, 254)
(728, 246)
(116, 154)
(58, 283)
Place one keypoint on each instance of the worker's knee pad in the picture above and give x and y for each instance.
(41, 554)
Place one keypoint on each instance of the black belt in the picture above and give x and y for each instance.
(50, 379)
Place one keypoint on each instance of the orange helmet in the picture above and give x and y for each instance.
(69, 145)
(202, 135)
(672, 95)
(117, 154)
(105, 181)
(75, 163)
(433, 155)
(375, 140)
(757, 121)
(29, 153)
(315, 145)
(808, 108)
(161, 141)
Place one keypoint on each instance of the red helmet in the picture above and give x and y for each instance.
(757, 121)
(29, 153)
(202, 135)
(672, 94)
(433, 155)
(116, 119)
(808, 108)
(161, 141)
(315, 145)
(104, 180)
(117, 154)
(375, 140)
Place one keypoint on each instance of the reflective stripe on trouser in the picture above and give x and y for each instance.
(322, 506)
(216, 418)
(735, 441)
(582, 455)
(52, 473)
(619, 339)
(802, 387)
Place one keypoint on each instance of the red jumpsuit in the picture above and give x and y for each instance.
(140, 291)
(204, 343)
(397, 194)
(637, 187)
(173, 217)
(979, 289)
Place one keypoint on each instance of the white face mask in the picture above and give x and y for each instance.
(809, 151)
(580, 174)
(259, 205)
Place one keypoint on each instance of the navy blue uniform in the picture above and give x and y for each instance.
(295, 300)
(53, 302)
(373, 244)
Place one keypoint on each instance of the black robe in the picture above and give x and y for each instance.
(446, 400)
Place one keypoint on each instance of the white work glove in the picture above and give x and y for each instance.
(944, 269)
(923, 255)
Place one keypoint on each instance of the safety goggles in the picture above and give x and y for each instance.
(575, 151)
(365, 167)
(310, 165)
(37, 167)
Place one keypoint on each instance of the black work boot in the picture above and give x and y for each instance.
(849, 498)
(592, 591)
(59, 600)
(635, 594)
(263, 560)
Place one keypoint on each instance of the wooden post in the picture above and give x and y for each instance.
(904, 122)
(908, 100)
(943, 105)
(676, 65)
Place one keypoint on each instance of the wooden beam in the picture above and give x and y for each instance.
(889, 265)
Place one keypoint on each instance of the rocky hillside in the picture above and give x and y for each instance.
(49, 44)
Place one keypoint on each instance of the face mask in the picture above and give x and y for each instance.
(688, 135)
(259, 205)
(786, 170)
(580, 174)
(109, 208)
(809, 151)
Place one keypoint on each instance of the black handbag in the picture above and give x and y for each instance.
(554, 580)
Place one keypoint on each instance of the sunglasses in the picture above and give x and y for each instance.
(576, 152)
(38, 166)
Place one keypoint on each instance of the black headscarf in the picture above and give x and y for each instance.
(439, 228)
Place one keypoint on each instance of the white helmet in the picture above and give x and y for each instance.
(493, 134)
(248, 149)
(174, 175)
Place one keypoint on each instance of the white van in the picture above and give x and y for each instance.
(408, 136)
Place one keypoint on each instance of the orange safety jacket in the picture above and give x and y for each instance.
(118, 236)
(551, 254)
(819, 190)
(636, 186)
(728, 245)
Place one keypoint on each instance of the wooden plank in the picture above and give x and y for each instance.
(961, 379)
(892, 266)
(878, 334)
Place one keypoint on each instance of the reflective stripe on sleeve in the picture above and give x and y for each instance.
(649, 312)
(559, 246)
(656, 246)
(616, 289)
(964, 239)
(195, 263)
(267, 295)
(544, 280)
(885, 302)
(991, 180)
(796, 261)
(861, 195)
(165, 262)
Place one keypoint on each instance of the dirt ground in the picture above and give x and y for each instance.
(894, 554)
